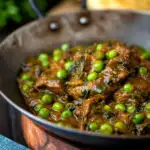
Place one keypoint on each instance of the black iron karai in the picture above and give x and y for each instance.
(132, 27)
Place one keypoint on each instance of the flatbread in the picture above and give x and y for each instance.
(119, 4)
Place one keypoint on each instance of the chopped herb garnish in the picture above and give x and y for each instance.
(85, 92)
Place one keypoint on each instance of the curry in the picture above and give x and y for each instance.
(102, 88)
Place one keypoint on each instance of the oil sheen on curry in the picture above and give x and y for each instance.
(102, 88)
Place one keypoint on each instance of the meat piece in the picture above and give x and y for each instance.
(84, 109)
(54, 85)
(121, 97)
(143, 129)
(75, 92)
(142, 84)
(139, 93)
(89, 59)
(125, 117)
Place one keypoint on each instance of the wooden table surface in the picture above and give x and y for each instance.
(37, 138)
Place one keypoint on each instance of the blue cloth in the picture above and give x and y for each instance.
(7, 144)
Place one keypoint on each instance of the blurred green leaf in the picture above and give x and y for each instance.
(17, 11)
(12, 10)
(3, 18)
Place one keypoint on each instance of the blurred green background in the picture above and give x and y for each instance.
(16, 12)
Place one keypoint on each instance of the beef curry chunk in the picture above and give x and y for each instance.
(102, 88)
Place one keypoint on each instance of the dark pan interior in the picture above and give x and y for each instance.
(130, 27)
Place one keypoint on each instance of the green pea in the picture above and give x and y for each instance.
(148, 115)
(25, 88)
(57, 106)
(146, 55)
(57, 52)
(111, 54)
(99, 47)
(92, 76)
(128, 88)
(131, 109)
(120, 126)
(93, 126)
(64, 47)
(142, 70)
(147, 107)
(25, 77)
(56, 58)
(120, 107)
(98, 66)
(61, 74)
(30, 83)
(44, 113)
(45, 63)
(46, 99)
(43, 57)
(38, 107)
(100, 55)
(107, 108)
(66, 114)
(57, 55)
(138, 118)
(106, 129)
(68, 65)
